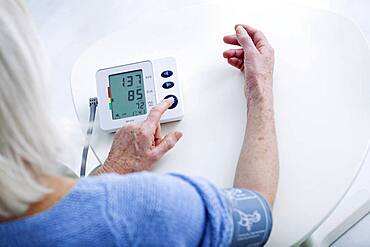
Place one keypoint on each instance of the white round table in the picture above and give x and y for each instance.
(322, 99)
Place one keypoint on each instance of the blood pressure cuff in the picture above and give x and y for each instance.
(251, 215)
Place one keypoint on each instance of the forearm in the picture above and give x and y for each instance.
(258, 166)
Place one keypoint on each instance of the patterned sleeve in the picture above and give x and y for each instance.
(251, 215)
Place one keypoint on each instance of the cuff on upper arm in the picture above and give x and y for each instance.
(251, 215)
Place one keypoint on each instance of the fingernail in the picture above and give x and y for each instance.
(239, 29)
(169, 100)
(178, 135)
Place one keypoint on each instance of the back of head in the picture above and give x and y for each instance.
(28, 143)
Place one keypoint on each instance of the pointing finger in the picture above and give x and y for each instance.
(155, 114)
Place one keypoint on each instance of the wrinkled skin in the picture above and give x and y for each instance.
(137, 147)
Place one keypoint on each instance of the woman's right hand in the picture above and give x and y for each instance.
(255, 59)
(138, 146)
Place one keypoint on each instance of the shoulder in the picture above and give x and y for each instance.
(161, 193)
(183, 210)
(146, 185)
(175, 190)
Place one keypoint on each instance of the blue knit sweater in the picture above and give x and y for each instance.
(141, 209)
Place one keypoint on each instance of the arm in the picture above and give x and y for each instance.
(258, 167)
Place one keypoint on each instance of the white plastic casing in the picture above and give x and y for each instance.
(154, 91)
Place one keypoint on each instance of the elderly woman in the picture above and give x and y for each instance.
(124, 204)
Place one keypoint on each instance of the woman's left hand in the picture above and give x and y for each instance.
(137, 147)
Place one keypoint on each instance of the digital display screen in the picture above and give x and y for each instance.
(127, 94)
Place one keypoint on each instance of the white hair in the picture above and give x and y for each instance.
(28, 141)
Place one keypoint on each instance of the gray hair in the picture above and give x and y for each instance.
(28, 141)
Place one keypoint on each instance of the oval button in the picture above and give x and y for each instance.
(175, 101)
(168, 84)
(167, 73)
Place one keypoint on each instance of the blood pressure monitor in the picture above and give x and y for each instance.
(126, 93)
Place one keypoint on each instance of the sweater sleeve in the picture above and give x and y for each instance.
(167, 210)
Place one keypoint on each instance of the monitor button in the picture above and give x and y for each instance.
(167, 73)
(168, 84)
(175, 101)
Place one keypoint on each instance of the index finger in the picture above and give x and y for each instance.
(231, 40)
(155, 114)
